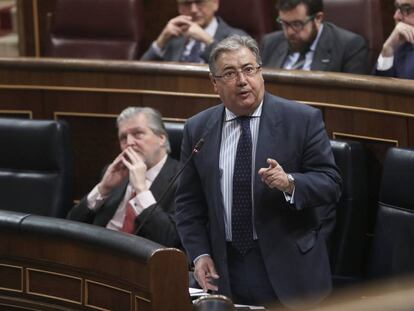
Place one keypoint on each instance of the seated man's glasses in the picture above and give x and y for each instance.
(404, 8)
(232, 74)
(295, 25)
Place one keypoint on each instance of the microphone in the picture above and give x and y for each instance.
(195, 150)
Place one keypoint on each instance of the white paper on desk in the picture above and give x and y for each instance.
(196, 292)
(250, 307)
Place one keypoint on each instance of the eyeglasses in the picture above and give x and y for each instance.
(232, 74)
(404, 8)
(295, 25)
(188, 4)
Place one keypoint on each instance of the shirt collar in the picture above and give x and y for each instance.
(315, 42)
(230, 116)
(212, 27)
(153, 172)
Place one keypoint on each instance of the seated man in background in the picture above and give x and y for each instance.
(397, 55)
(134, 181)
(190, 36)
(308, 43)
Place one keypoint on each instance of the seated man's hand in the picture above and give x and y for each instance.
(174, 28)
(197, 33)
(137, 169)
(401, 33)
(113, 176)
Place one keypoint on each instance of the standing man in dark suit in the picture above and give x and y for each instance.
(134, 181)
(255, 204)
(190, 36)
(397, 55)
(308, 43)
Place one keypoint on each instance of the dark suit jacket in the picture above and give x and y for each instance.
(291, 238)
(338, 50)
(403, 66)
(160, 227)
(175, 47)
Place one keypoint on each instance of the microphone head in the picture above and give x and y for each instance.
(198, 145)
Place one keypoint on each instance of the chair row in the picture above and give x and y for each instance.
(91, 29)
(36, 178)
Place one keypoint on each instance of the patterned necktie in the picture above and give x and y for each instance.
(300, 62)
(241, 224)
(194, 56)
(129, 219)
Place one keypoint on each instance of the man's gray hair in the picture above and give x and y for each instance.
(154, 121)
(233, 43)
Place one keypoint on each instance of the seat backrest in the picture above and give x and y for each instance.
(175, 135)
(360, 16)
(36, 167)
(393, 242)
(256, 17)
(347, 248)
(101, 29)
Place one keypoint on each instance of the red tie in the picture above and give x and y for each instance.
(129, 220)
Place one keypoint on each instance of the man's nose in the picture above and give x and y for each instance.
(129, 139)
(398, 17)
(241, 78)
(193, 7)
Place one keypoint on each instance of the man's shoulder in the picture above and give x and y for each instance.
(340, 34)
(273, 37)
(284, 105)
(225, 29)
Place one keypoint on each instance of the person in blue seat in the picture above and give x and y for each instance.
(306, 42)
(134, 182)
(397, 55)
(190, 36)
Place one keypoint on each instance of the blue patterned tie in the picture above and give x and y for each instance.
(194, 56)
(241, 224)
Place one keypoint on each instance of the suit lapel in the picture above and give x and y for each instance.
(210, 158)
(280, 54)
(268, 142)
(323, 53)
(163, 179)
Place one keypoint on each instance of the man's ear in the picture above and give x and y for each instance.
(319, 18)
(213, 81)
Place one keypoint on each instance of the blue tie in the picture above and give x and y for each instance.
(194, 56)
(241, 224)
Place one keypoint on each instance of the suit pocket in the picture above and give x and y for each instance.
(307, 242)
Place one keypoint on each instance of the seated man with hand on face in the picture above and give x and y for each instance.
(309, 43)
(190, 36)
(397, 55)
(134, 182)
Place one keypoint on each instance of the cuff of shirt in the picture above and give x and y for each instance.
(290, 197)
(142, 201)
(385, 63)
(198, 257)
(95, 199)
(157, 49)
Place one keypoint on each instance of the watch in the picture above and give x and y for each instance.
(291, 180)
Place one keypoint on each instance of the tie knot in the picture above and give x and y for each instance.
(244, 122)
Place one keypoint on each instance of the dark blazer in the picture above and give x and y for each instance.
(175, 47)
(338, 50)
(403, 66)
(291, 238)
(160, 227)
